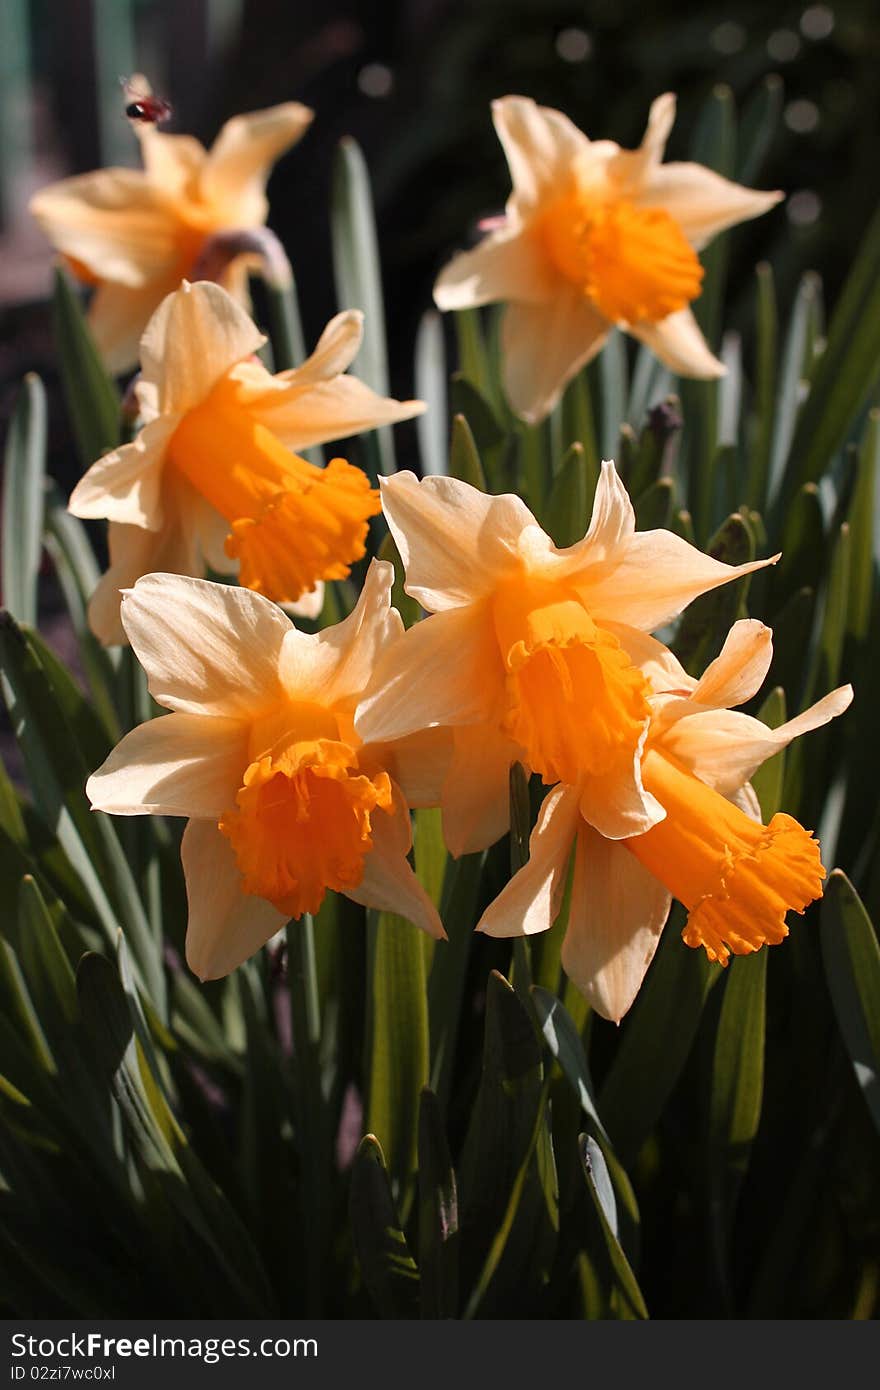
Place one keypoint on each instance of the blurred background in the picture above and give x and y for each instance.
(411, 80)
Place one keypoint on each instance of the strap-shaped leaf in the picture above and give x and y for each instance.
(852, 971)
(92, 398)
(387, 1267)
(438, 1215)
(24, 467)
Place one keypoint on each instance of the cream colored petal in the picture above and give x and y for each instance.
(740, 668)
(389, 883)
(419, 764)
(618, 911)
(226, 926)
(612, 523)
(195, 336)
(444, 670)
(172, 162)
(476, 788)
(328, 410)
(541, 146)
(701, 201)
(617, 805)
(337, 348)
(372, 630)
(210, 530)
(239, 162)
(176, 765)
(126, 484)
(454, 540)
(207, 648)
(507, 265)
(632, 168)
(135, 552)
(724, 748)
(657, 575)
(114, 222)
(310, 605)
(544, 346)
(531, 900)
(118, 316)
(679, 343)
(746, 798)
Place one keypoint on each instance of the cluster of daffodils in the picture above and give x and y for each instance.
(296, 757)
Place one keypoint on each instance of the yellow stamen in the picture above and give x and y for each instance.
(291, 524)
(301, 823)
(633, 263)
(575, 701)
(737, 878)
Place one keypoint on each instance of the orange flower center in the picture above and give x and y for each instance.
(301, 823)
(575, 702)
(634, 263)
(291, 524)
(737, 878)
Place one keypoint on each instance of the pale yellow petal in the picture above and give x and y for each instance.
(618, 911)
(135, 552)
(740, 669)
(336, 349)
(207, 648)
(389, 883)
(172, 162)
(476, 788)
(655, 576)
(418, 764)
(679, 343)
(541, 146)
(113, 222)
(507, 265)
(225, 926)
(724, 748)
(176, 765)
(119, 314)
(126, 484)
(310, 605)
(454, 540)
(444, 670)
(372, 630)
(195, 336)
(327, 410)
(239, 162)
(531, 900)
(632, 168)
(701, 201)
(544, 346)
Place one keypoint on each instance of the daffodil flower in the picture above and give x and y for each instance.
(737, 878)
(211, 479)
(260, 754)
(593, 236)
(527, 652)
(135, 234)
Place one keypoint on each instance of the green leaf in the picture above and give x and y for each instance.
(285, 325)
(862, 582)
(600, 1192)
(578, 427)
(758, 126)
(473, 358)
(708, 619)
(843, 376)
(430, 379)
(736, 1094)
(852, 971)
(767, 325)
(387, 1267)
(44, 958)
(464, 457)
(614, 380)
(51, 721)
(408, 608)
(468, 400)
(654, 508)
(507, 1175)
(449, 967)
(357, 269)
(714, 144)
(642, 1074)
(567, 514)
(397, 1053)
(24, 466)
(438, 1215)
(92, 399)
(802, 546)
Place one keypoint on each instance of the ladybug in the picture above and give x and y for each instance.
(142, 105)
